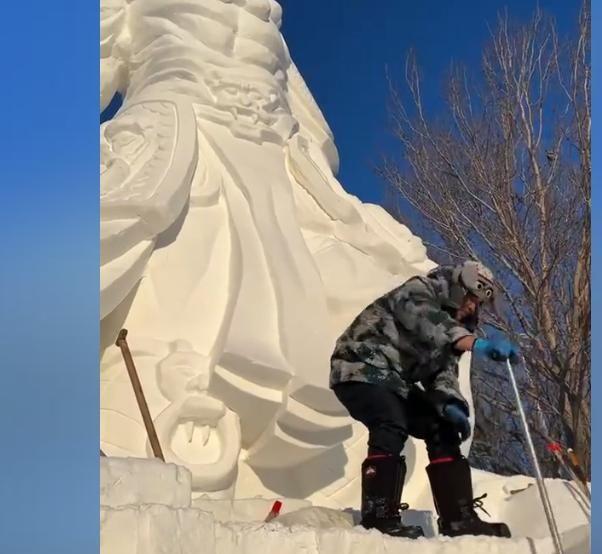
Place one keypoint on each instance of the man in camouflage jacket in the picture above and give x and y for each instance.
(395, 369)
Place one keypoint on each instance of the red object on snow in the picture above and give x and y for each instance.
(442, 460)
(274, 511)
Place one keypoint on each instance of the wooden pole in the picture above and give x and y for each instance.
(576, 466)
(558, 452)
(146, 417)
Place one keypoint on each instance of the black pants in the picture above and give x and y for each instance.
(391, 418)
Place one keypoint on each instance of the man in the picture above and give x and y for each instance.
(395, 369)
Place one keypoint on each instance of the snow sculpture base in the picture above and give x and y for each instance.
(131, 481)
(137, 518)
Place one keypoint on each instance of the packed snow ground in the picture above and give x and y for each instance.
(146, 508)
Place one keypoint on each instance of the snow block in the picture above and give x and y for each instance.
(246, 509)
(126, 481)
(318, 518)
(156, 529)
(358, 541)
(268, 538)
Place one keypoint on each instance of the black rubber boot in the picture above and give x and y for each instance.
(382, 484)
(451, 485)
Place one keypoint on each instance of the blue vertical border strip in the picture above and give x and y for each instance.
(596, 257)
(49, 220)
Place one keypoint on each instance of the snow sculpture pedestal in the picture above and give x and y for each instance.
(138, 519)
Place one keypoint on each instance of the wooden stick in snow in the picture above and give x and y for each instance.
(138, 392)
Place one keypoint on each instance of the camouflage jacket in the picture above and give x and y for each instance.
(406, 337)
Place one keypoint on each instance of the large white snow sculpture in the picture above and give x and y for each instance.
(232, 254)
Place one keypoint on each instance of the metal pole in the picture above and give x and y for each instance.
(543, 493)
(146, 417)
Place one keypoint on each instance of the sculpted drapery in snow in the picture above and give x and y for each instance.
(228, 248)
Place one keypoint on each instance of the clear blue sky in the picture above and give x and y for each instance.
(342, 53)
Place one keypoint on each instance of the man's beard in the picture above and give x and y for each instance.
(470, 321)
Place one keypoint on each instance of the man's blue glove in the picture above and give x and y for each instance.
(453, 413)
(496, 349)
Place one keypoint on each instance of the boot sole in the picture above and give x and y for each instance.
(419, 532)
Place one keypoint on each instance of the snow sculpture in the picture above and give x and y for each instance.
(231, 253)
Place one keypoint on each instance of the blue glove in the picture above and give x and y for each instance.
(453, 413)
(495, 349)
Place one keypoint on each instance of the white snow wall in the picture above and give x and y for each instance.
(232, 255)
(146, 508)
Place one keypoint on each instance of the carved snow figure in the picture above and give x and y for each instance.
(232, 254)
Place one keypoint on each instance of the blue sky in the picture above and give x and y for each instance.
(49, 217)
(49, 277)
(342, 54)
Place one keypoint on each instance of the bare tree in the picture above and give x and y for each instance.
(503, 175)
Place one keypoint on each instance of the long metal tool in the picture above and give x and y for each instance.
(146, 417)
(543, 493)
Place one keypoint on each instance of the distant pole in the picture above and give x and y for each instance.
(578, 471)
(559, 454)
(138, 392)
